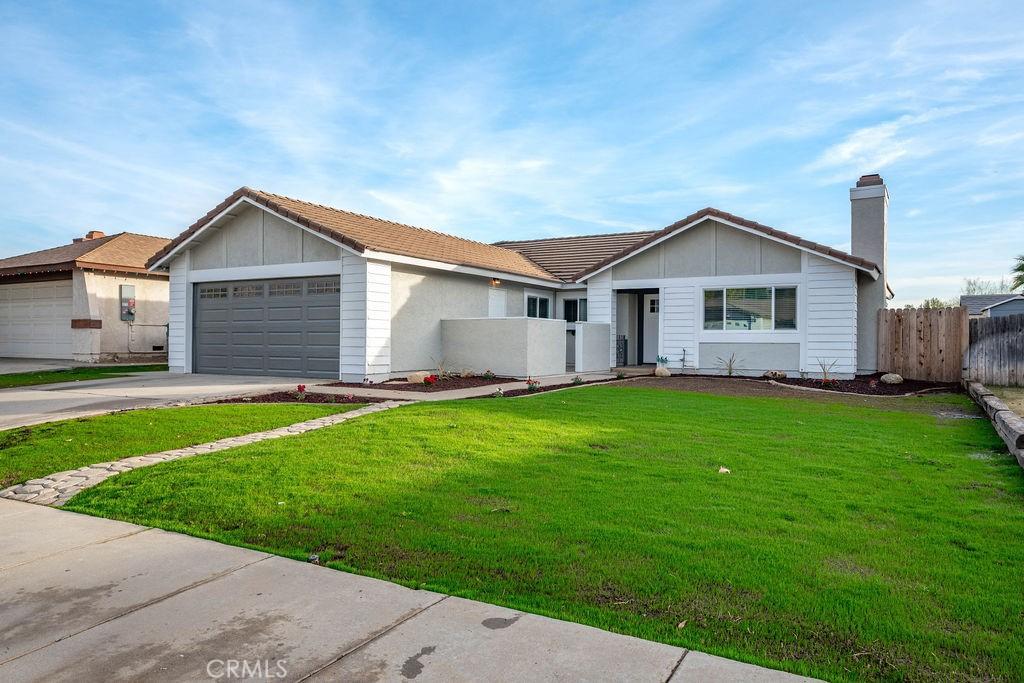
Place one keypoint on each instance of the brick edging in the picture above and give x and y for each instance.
(1008, 424)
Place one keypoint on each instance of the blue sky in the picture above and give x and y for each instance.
(519, 121)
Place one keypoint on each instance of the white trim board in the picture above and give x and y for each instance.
(267, 272)
(757, 233)
(453, 268)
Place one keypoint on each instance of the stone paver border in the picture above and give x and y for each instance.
(56, 489)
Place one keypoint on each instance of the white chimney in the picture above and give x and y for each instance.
(869, 239)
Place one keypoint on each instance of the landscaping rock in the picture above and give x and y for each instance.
(891, 378)
(416, 377)
(662, 372)
(774, 374)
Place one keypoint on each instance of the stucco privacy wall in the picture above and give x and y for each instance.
(710, 249)
(516, 347)
(421, 299)
(591, 350)
(255, 237)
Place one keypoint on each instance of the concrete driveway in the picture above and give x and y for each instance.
(47, 402)
(89, 599)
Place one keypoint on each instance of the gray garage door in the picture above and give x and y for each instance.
(270, 327)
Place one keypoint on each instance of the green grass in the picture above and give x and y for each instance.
(31, 452)
(27, 379)
(846, 543)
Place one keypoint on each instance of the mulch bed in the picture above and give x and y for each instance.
(869, 385)
(446, 384)
(290, 397)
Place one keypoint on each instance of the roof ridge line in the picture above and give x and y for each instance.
(376, 218)
(574, 237)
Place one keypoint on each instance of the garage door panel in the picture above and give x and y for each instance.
(35, 320)
(276, 332)
(248, 314)
(287, 312)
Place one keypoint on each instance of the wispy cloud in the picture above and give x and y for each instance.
(498, 123)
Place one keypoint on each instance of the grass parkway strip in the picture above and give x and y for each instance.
(36, 451)
(26, 379)
(845, 542)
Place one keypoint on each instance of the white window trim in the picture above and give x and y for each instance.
(577, 299)
(550, 296)
(752, 335)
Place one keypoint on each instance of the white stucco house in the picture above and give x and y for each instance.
(266, 284)
(90, 300)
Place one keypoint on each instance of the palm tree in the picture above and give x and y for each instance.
(1018, 273)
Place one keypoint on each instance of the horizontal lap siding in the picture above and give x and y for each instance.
(601, 307)
(177, 314)
(679, 317)
(831, 325)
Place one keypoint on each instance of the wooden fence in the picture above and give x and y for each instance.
(923, 343)
(997, 351)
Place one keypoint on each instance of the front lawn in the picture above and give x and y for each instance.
(26, 379)
(31, 452)
(846, 542)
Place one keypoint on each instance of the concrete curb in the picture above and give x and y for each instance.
(1008, 424)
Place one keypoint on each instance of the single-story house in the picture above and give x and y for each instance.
(91, 300)
(993, 305)
(279, 286)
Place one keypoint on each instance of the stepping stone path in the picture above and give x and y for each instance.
(57, 489)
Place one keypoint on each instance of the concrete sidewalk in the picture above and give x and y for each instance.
(89, 599)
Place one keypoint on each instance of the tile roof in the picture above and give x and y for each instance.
(124, 251)
(361, 233)
(564, 257)
(977, 303)
(710, 212)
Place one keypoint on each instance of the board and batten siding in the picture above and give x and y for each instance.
(679, 325)
(831, 316)
(601, 307)
(178, 315)
(365, 319)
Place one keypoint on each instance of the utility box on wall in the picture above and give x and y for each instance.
(128, 303)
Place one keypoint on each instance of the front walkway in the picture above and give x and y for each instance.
(87, 598)
(379, 390)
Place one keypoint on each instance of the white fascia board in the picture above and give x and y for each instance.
(453, 268)
(757, 233)
(267, 272)
(768, 279)
(1004, 301)
(227, 212)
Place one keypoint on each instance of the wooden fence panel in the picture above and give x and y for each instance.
(997, 351)
(923, 343)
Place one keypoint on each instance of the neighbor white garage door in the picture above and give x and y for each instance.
(35, 320)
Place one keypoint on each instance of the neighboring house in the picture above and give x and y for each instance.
(91, 300)
(993, 305)
(265, 284)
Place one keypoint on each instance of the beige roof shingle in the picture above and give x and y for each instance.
(362, 232)
(124, 251)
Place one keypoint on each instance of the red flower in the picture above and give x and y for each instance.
(430, 379)
(302, 388)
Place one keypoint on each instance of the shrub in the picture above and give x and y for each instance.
(532, 385)
(488, 374)
(577, 380)
(430, 379)
(620, 375)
